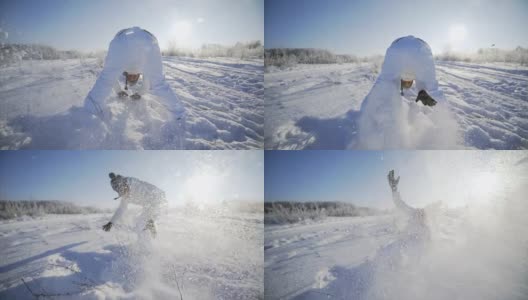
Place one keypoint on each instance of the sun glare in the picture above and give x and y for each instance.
(181, 33)
(484, 185)
(202, 188)
(457, 33)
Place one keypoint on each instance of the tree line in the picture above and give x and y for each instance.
(291, 212)
(33, 208)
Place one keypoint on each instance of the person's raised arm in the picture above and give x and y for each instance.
(117, 215)
(120, 210)
(393, 183)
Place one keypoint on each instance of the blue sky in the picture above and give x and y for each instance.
(366, 27)
(90, 25)
(82, 176)
(360, 177)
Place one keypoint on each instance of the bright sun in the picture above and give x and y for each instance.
(202, 188)
(457, 33)
(484, 185)
(181, 33)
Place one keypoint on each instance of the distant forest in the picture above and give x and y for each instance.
(289, 57)
(292, 212)
(15, 209)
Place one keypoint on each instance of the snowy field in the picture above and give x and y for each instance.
(370, 258)
(223, 98)
(193, 257)
(317, 106)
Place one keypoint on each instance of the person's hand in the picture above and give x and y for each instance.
(107, 226)
(136, 96)
(425, 98)
(393, 182)
(122, 94)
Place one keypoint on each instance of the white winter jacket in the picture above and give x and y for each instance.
(141, 193)
(133, 50)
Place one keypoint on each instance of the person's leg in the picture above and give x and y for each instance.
(150, 215)
(95, 102)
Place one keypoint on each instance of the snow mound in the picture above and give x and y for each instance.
(389, 120)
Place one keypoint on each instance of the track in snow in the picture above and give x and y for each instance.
(223, 99)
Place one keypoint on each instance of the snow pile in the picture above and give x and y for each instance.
(389, 121)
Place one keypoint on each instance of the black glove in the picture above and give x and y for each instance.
(393, 182)
(151, 227)
(122, 94)
(107, 226)
(425, 98)
(136, 96)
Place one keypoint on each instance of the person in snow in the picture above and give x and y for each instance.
(134, 53)
(407, 60)
(417, 229)
(405, 107)
(135, 191)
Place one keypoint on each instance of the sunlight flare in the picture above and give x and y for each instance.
(457, 33)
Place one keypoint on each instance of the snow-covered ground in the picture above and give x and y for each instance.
(317, 106)
(223, 98)
(197, 257)
(471, 256)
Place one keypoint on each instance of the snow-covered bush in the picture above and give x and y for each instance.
(288, 57)
(14, 209)
(293, 212)
(518, 55)
(173, 50)
(253, 49)
(12, 53)
(235, 206)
